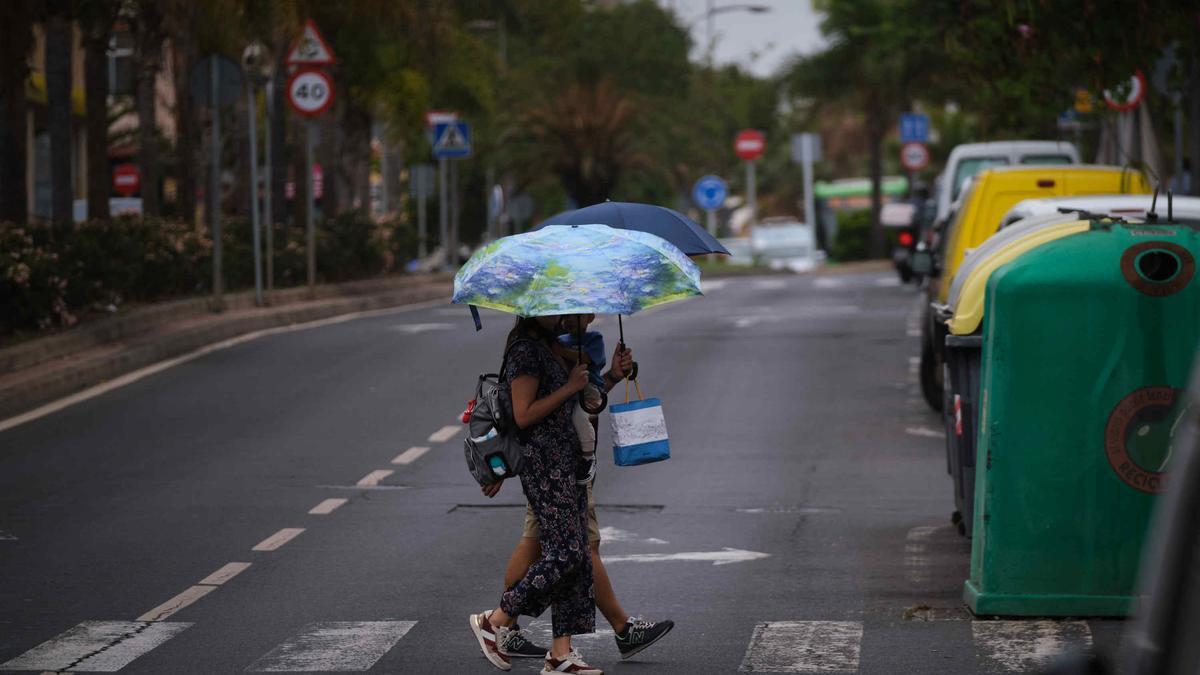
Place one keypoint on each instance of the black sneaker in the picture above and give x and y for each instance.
(640, 634)
(516, 644)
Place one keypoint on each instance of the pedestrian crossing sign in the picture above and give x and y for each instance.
(451, 140)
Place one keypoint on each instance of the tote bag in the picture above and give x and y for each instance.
(639, 430)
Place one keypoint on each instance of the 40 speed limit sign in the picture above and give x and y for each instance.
(310, 92)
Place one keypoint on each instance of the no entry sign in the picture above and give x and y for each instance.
(310, 92)
(126, 179)
(749, 144)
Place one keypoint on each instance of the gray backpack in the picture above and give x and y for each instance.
(495, 447)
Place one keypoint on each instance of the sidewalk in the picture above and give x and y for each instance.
(42, 370)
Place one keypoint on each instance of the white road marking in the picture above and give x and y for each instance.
(445, 433)
(913, 332)
(417, 328)
(341, 646)
(4, 536)
(803, 647)
(609, 535)
(916, 558)
(1019, 646)
(97, 646)
(749, 321)
(278, 539)
(142, 373)
(723, 557)
(770, 285)
(374, 478)
(707, 287)
(887, 282)
(229, 571)
(925, 432)
(828, 282)
(542, 632)
(327, 507)
(177, 603)
(411, 455)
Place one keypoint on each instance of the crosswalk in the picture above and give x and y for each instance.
(791, 646)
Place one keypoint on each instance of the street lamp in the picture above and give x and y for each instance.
(713, 10)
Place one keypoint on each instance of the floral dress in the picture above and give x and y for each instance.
(562, 578)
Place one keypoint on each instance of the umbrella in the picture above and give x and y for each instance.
(576, 269)
(683, 232)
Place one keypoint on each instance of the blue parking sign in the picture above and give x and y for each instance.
(709, 193)
(914, 128)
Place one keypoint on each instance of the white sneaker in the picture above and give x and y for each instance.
(488, 640)
(573, 663)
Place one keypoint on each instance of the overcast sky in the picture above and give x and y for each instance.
(758, 42)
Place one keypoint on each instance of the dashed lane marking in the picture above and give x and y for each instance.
(97, 646)
(887, 282)
(141, 373)
(227, 572)
(925, 432)
(374, 478)
(327, 507)
(445, 433)
(803, 647)
(770, 285)
(1020, 646)
(278, 539)
(707, 287)
(341, 646)
(828, 282)
(411, 455)
(165, 610)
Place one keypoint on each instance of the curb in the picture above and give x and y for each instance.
(70, 375)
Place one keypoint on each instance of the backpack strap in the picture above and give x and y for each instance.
(504, 360)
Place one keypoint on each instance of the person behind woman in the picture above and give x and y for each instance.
(543, 392)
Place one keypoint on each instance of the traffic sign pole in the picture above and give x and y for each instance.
(806, 166)
(310, 230)
(252, 113)
(710, 221)
(268, 214)
(443, 214)
(752, 190)
(215, 188)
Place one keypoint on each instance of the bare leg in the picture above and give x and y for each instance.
(606, 598)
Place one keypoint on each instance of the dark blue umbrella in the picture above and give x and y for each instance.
(687, 235)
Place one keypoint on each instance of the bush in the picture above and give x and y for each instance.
(101, 265)
(853, 236)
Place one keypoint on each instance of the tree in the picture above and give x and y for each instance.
(96, 18)
(149, 35)
(16, 34)
(58, 53)
(180, 16)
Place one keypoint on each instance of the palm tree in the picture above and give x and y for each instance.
(16, 41)
(96, 18)
(149, 32)
(58, 53)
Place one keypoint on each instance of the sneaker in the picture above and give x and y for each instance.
(640, 633)
(487, 638)
(573, 663)
(585, 468)
(516, 644)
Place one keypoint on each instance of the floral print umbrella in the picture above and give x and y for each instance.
(576, 269)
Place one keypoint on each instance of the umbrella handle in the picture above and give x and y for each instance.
(633, 371)
(596, 411)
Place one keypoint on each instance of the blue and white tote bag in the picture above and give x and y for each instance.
(639, 430)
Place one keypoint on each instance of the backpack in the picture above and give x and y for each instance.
(495, 447)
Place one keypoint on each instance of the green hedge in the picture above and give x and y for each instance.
(48, 282)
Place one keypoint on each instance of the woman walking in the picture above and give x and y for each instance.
(543, 395)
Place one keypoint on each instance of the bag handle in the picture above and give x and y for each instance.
(637, 387)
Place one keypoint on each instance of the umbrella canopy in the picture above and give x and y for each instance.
(578, 269)
(687, 235)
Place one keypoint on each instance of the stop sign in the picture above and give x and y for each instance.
(126, 179)
(749, 144)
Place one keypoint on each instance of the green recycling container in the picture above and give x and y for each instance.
(1087, 346)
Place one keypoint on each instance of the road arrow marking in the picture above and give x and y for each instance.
(723, 557)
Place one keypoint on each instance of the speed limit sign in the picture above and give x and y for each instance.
(310, 92)
(914, 156)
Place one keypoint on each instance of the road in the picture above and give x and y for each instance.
(802, 523)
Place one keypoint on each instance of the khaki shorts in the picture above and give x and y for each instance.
(533, 531)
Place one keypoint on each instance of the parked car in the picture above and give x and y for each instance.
(988, 198)
(785, 243)
(1135, 207)
(968, 159)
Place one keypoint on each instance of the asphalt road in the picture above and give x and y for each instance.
(802, 458)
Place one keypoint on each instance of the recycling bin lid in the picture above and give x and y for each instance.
(999, 241)
(968, 313)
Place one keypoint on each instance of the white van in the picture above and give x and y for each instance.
(968, 159)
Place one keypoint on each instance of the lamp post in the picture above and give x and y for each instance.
(709, 17)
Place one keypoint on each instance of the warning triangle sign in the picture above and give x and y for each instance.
(310, 49)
